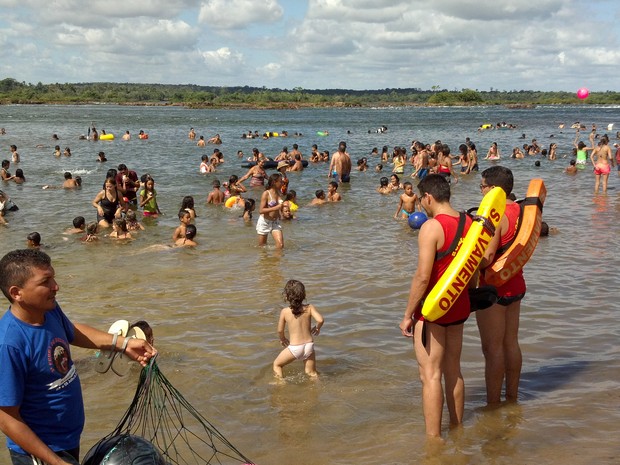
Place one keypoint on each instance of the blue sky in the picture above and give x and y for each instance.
(316, 44)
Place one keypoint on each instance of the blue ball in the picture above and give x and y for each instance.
(417, 219)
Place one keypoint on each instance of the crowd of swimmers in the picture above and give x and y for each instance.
(123, 191)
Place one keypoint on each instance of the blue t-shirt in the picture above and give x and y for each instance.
(38, 375)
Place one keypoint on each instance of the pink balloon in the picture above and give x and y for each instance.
(583, 93)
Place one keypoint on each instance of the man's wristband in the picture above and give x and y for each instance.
(114, 339)
(125, 342)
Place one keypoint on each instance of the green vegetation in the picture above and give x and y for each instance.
(12, 91)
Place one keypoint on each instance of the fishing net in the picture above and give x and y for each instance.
(161, 415)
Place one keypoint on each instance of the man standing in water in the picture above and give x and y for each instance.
(437, 344)
(41, 406)
(128, 183)
(340, 166)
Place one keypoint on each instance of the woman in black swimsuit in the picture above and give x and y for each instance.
(108, 203)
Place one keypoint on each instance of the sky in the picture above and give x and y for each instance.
(548, 45)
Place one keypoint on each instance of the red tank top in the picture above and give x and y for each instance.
(460, 309)
(515, 285)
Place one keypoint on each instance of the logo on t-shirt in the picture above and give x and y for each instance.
(58, 357)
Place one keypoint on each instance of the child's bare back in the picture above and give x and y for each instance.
(299, 327)
(300, 343)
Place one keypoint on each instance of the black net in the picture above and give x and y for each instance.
(161, 415)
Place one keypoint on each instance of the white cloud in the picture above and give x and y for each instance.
(485, 10)
(131, 37)
(223, 60)
(357, 10)
(230, 14)
(330, 43)
(271, 71)
(562, 57)
(97, 12)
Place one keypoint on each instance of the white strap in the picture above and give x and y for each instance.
(114, 339)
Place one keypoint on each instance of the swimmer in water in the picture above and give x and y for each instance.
(4, 172)
(79, 226)
(493, 153)
(571, 168)
(216, 139)
(319, 198)
(91, 232)
(71, 183)
(132, 221)
(119, 229)
(384, 187)
(216, 196)
(408, 202)
(14, 154)
(188, 240)
(248, 208)
(395, 183)
(332, 192)
(185, 219)
(33, 240)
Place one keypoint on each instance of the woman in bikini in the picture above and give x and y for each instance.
(493, 153)
(270, 212)
(234, 188)
(108, 203)
(256, 174)
(602, 165)
(444, 163)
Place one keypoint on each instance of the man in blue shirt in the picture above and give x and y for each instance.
(41, 406)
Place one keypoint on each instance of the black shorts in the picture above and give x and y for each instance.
(507, 300)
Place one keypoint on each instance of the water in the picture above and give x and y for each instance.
(215, 308)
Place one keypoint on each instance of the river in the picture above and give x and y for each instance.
(214, 308)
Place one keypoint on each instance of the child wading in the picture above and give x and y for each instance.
(300, 345)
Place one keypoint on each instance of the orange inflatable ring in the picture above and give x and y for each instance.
(231, 201)
(512, 260)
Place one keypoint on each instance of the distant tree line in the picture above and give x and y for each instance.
(13, 91)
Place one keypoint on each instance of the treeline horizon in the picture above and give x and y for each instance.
(196, 96)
